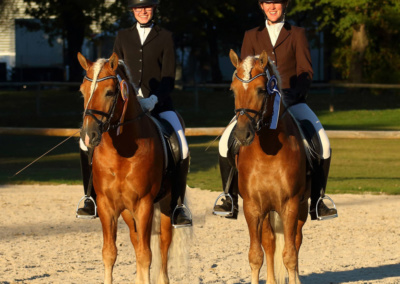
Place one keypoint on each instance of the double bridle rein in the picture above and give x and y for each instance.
(272, 88)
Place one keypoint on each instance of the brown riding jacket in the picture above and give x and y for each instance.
(291, 55)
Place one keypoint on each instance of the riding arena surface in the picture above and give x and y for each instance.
(41, 241)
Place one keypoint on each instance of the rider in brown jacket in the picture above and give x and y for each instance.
(288, 48)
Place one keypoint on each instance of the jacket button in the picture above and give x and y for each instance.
(273, 61)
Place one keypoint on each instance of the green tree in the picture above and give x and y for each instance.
(72, 20)
(362, 34)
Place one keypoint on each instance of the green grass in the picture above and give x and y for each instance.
(355, 109)
(357, 165)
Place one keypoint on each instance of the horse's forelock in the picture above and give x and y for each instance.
(98, 65)
(247, 66)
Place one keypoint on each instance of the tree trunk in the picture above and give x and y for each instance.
(359, 44)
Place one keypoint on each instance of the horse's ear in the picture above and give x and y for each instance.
(234, 58)
(113, 60)
(263, 59)
(85, 63)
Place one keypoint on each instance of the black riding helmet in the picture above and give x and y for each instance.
(273, 1)
(141, 3)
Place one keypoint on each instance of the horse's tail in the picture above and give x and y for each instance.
(277, 227)
(155, 244)
(178, 255)
(179, 250)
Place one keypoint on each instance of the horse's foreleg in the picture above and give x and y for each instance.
(130, 222)
(144, 217)
(303, 214)
(109, 222)
(268, 243)
(290, 254)
(165, 242)
(256, 255)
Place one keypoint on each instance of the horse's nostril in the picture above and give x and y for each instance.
(94, 136)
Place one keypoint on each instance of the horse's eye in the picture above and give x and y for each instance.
(262, 92)
(110, 94)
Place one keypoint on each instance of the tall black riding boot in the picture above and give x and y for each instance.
(180, 214)
(86, 169)
(318, 187)
(226, 206)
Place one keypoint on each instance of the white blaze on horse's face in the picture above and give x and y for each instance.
(96, 71)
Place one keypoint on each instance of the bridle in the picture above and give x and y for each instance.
(106, 125)
(272, 89)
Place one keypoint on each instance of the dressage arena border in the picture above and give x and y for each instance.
(199, 131)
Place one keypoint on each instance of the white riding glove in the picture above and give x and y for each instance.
(148, 103)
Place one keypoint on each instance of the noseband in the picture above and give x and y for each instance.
(103, 126)
(272, 88)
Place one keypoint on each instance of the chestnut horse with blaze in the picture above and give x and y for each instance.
(128, 165)
(272, 169)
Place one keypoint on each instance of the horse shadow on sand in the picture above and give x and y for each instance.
(365, 274)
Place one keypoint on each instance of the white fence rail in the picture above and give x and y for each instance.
(199, 131)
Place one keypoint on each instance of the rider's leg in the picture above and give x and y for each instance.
(179, 180)
(321, 172)
(225, 167)
(86, 170)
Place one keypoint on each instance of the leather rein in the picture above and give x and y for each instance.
(106, 125)
(272, 88)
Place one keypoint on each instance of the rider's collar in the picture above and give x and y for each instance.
(149, 24)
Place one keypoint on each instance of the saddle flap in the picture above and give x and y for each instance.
(170, 140)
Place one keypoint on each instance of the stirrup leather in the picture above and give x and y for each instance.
(321, 218)
(222, 213)
(185, 209)
(86, 216)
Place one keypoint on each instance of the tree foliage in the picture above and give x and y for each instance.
(361, 37)
(364, 36)
(72, 20)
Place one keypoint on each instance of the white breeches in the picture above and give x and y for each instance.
(300, 112)
(172, 118)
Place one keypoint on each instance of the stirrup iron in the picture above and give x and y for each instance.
(86, 216)
(183, 206)
(222, 213)
(321, 218)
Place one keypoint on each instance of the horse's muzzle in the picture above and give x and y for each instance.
(244, 135)
(91, 138)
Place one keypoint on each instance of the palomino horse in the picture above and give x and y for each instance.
(271, 166)
(128, 164)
